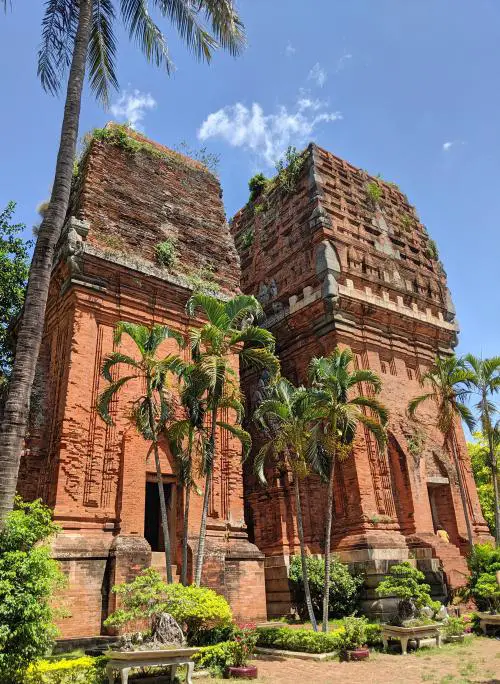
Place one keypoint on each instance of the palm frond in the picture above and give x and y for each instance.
(261, 359)
(466, 415)
(114, 359)
(59, 26)
(226, 25)
(416, 402)
(234, 403)
(374, 427)
(260, 459)
(210, 306)
(145, 32)
(241, 307)
(253, 336)
(365, 375)
(108, 395)
(101, 54)
(242, 435)
(138, 333)
(160, 333)
(184, 16)
(376, 406)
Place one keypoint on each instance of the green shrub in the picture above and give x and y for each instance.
(215, 658)
(344, 587)
(484, 562)
(194, 608)
(216, 635)
(406, 583)
(85, 670)
(166, 253)
(256, 185)
(247, 238)
(28, 579)
(374, 194)
(353, 633)
(289, 168)
(454, 626)
(307, 641)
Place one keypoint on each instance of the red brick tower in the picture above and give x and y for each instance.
(98, 478)
(342, 259)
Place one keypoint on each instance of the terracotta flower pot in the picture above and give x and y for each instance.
(358, 654)
(246, 672)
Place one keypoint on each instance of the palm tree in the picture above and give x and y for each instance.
(449, 382)
(288, 416)
(187, 441)
(485, 379)
(151, 410)
(79, 34)
(332, 382)
(228, 332)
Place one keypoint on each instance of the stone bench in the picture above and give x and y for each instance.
(404, 634)
(122, 662)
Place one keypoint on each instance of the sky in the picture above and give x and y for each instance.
(405, 88)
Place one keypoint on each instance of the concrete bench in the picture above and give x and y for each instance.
(122, 662)
(404, 634)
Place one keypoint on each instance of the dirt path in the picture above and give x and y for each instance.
(477, 661)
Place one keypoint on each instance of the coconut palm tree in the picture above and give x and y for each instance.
(187, 440)
(79, 35)
(449, 387)
(288, 415)
(152, 409)
(333, 384)
(229, 331)
(485, 381)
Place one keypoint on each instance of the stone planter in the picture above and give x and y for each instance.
(489, 620)
(404, 634)
(245, 672)
(358, 654)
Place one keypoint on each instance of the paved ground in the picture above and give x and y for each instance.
(477, 661)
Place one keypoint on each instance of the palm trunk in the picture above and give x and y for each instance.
(29, 339)
(328, 532)
(206, 499)
(494, 475)
(185, 529)
(305, 578)
(461, 487)
(163, 511)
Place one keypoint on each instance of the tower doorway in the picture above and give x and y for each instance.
(153, 532)
(442, 509)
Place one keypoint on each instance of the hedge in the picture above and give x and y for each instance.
(84, 670)
(307, 641)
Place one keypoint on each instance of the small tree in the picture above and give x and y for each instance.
(29, 578)
(407, 584)
(287, 416)
(150, 410)
(448, 383)
(482, 586)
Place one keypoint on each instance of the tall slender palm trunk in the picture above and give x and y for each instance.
(29, 339)
(206, 499)
(496, 493)
(185, 527)
(305, 575)
(453, 443)
(328, 533)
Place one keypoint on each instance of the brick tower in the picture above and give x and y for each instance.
(342, 259)
(130, 195)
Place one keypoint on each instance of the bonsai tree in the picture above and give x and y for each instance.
(407, 583)
(353, 635)
(448, 383)
(338, 390)
(151, 409)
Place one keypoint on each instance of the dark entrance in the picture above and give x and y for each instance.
(152, 516)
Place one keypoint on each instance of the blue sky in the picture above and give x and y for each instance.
(405, 88)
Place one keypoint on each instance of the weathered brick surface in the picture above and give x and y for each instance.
(95, 475)
(333, 268)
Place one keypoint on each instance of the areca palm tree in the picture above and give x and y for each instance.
(333, 383)
(288, 416)
(152, 409)
(449, 387)
(79, 35)
(485, 381)
(187, 441)
(229, 331)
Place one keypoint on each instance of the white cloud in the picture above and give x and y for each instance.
(131, 107)
(266, 135)
(318, 75)
(290, 50)
(342, 61)
(451, 143)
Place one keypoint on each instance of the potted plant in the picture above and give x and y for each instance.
(454, 628)
(241, 650)
(353, 639)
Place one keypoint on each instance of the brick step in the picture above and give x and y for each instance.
(158, 563)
